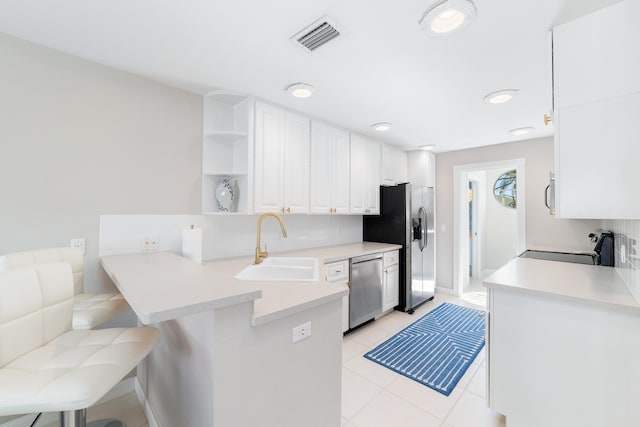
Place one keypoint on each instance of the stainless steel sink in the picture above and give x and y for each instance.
(282, 269)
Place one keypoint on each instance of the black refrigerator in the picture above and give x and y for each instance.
(407, 218)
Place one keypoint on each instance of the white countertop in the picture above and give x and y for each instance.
(591, 284)
(161, 286)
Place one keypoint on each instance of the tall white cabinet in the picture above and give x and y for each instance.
(227, 141)
(365, 175)
(421, 168)
(281, 174)
(597, 105)
(329, 174)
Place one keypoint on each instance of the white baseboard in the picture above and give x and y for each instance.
(447, 291)
(142, 398)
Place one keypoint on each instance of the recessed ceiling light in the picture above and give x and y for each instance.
(301, 90)
(448, 16)
(500, 96)
(521, 131)
(381, 127)
(427, 147)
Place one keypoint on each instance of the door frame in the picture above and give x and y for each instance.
(478, 218)
(461, 215)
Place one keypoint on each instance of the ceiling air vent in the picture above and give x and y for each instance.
(317, 34)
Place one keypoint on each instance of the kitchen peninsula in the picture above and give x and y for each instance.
(563, 347)
(226, 356)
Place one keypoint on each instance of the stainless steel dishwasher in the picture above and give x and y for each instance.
(365, 289)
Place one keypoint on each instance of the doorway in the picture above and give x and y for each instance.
(476, 213)
(487, 232)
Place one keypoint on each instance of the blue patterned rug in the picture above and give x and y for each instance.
(436, 349)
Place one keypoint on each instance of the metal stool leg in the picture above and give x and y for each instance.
(79, 419)
(73, 418)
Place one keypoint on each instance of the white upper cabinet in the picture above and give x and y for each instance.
(597, 105)
(421, 168)
(329, 180)
(281, 174)
(394, 165)
(227, 140)
(365, 175)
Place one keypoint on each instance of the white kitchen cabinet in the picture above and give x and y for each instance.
(421, 168)
(394, 165)
(556, 362)
(390, 281)
(596, 106)
(227, 136)
(365, 176)
(281, 174)
(329, 189)
(338, 273)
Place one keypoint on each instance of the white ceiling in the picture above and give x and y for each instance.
(382, 68)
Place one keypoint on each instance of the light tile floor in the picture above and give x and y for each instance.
(373, 396)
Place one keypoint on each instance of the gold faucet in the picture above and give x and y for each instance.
(259, 253)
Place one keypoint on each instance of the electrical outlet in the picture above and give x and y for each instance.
(150, 244)
(301, 332)
(78, 243)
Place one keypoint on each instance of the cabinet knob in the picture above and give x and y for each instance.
(547, 119)
(288, 210)
(330, 210)
(367, 210)
(338, 271)
(282, 210)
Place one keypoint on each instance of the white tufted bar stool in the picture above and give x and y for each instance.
(45, 366)
(89, 310)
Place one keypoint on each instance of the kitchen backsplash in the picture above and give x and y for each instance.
(226, 235)
(627, 258)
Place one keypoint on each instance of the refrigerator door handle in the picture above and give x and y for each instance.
(423, 232)
(426, 229)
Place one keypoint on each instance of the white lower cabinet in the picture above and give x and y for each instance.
(556, 362)
(390, 281)
(338, 273)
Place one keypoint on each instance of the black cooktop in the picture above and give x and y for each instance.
(579, 258)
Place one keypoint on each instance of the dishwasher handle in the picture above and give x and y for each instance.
(365, 258)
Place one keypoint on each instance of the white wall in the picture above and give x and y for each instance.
(500, 227)
(542, 229)
(79, 140)
(227, 236)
